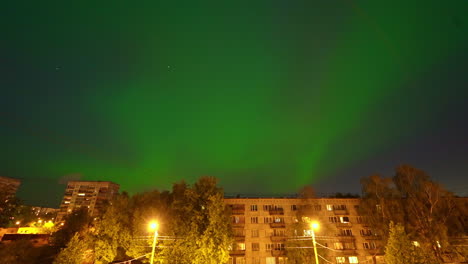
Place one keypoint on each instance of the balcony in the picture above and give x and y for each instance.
(343, 224)
(238, 224)
(238, 252)
(345, 238)
(238, 209)
(277, 238)
(277, 211)
(239, 238)
(348, 251)
(278, 253)
(374, 251)
(372, 237)
(278, 225)
(340, 211)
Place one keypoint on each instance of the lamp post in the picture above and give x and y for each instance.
(154, 226)
(314, 225)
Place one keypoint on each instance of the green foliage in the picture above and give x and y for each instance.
(77, 251)
(400, 249)
(428, 211)
(299, 248)
(112, 231)
(201, 222)
(194, 227)
(77, 221)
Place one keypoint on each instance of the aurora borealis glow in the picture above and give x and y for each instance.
(267, 96)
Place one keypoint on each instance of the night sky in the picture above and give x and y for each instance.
(267, 96)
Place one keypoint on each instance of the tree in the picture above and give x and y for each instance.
(193, 220)
(400, 249)
(299, 248)
(112, 234)
(411, 197)
(77, 251)
(77, 221)
(201, 223)
(381, 204)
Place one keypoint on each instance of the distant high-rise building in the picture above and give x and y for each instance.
(92, 195)
(9, 186)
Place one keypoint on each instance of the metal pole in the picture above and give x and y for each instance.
(315, 247)
(154, 245)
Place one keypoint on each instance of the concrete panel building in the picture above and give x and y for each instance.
(262, 227)
(9, 186)
(92, 195)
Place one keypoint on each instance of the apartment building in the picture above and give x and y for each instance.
(88, 194)
(9, 186)
(262, 229)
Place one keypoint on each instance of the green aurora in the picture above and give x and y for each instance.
(268, 97)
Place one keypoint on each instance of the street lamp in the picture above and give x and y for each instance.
(314, 226)
(153, 226)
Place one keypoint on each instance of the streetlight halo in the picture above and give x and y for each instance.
(314, 225)
(154, 226)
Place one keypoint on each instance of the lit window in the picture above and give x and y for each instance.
(279, 220)
(66, 202)
(338, 245)
(329, 207)
(416, 243)
(344, 219)
(81, 194)
(240, 246)
(353, 260)
(340, 259)
(282, 260)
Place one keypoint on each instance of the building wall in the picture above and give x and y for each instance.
(8, 230)
(9, 186)
(262, 226)
(88, 194)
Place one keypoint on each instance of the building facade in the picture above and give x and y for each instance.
(9, 186)
(263, 230)
(87, 194)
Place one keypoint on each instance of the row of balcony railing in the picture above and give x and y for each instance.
(274, 252)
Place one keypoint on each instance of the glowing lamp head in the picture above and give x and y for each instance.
(153, 226)
(314, 225)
